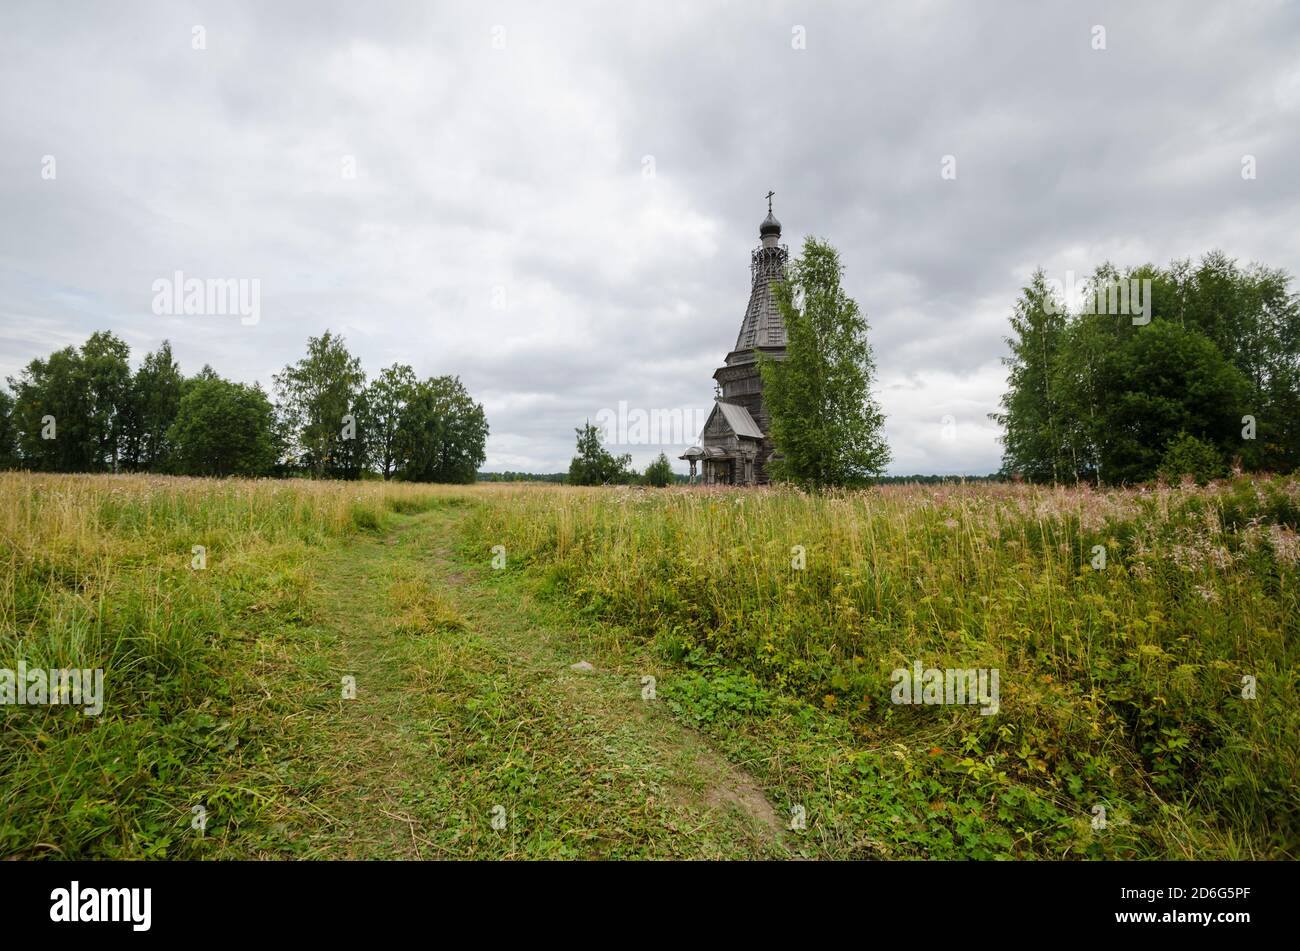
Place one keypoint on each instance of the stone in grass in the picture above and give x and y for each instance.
(581, 665)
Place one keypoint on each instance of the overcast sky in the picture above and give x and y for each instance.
(557, 201)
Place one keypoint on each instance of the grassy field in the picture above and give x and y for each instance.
(770, 622)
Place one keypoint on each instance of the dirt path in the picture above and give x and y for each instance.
(472, 737)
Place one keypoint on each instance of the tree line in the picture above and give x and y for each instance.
(1174, 371)
(932, 479)
(596, 465)
(511, 475)
(81, 409)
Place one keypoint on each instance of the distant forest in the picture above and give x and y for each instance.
(561, 478)
(81, 409)
(557, 477)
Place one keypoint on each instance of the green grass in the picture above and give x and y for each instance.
(1121, 687)
(224, 691)
(224, 686)
(476, 688)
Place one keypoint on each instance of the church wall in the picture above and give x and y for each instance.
(743, 384)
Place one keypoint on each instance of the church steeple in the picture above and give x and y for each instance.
(762, 326)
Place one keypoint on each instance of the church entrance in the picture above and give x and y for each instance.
(723, 472)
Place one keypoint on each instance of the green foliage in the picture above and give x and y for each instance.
(327, 423)
(713, 694)
(155, 399)
(8, 432)
(313, 397)
(824, 422)
(223, 429)
(441, 434)
(87, 393)
(186, 718)
(659, 473)
(594, 464)
(1033, 419)
(1120, 686)
(46, 392)
(1188, 456)
(1163, 382)
(380, 410)
(106, 378)
(1094, 396)
(937, 479)
(511, 476)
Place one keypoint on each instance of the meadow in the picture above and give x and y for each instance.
(1121, 686)
(98, 572)
(1147, 702)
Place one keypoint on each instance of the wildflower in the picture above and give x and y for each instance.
(1286, 543)
(1220, 556)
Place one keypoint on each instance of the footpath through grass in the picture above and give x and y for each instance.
(347, 675)
(332, 684)
(472, 737)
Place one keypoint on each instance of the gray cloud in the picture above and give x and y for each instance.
(500, 225)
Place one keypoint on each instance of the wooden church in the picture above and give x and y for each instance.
(735, 447)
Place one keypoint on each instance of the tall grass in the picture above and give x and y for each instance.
(95, 572)
(1121, 686)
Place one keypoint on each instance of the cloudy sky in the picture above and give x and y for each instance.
(557, 201)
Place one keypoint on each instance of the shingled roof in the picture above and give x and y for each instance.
(763, 326)
(738, 418)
